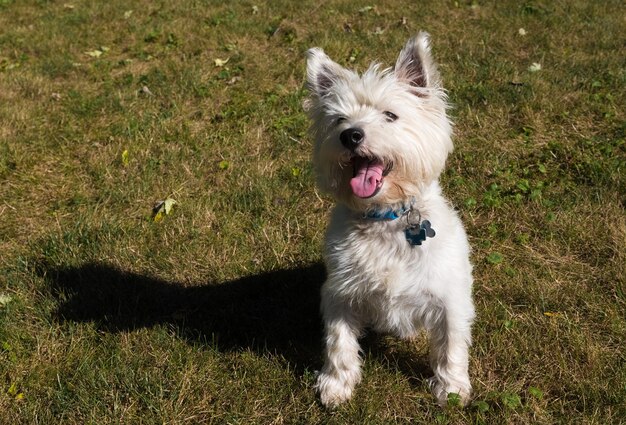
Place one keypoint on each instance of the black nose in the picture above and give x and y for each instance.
(352, 137)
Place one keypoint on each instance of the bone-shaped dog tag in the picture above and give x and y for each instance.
(416, 234)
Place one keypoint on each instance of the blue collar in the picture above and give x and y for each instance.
(416, 230)
(386, 214)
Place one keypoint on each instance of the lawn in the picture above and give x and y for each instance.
(112, 312)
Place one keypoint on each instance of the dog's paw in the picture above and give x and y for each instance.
(442, 391)
(332, 391)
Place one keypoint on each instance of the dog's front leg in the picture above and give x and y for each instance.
(342, 367)
(450, 341)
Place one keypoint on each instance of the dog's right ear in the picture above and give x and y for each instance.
(322, 72)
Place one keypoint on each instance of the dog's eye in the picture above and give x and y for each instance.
(391, 117)
(341, 119)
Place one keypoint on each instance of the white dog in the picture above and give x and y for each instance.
(396, 253)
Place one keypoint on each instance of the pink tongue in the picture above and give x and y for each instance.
(367, 177)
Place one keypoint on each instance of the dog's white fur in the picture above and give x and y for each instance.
(375, 277)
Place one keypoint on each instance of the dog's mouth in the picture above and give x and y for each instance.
(368, 175)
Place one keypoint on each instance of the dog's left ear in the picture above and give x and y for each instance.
(415, 64)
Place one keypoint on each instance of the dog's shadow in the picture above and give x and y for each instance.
(276, 311)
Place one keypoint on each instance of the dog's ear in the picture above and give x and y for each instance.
(322, 72)
(415, 64)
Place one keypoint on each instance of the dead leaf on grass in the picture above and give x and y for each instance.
(163, 208)
(125, 158)
(146, 90)
(5, 299)
(221, 62)
(96, 53)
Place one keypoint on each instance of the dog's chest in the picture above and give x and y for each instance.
(381, 276)
(375, 261)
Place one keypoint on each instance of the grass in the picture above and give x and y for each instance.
(210, 315)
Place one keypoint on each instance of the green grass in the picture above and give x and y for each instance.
(211, 315)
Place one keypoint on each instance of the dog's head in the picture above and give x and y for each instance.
(381, 136)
